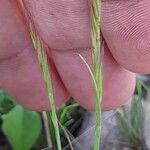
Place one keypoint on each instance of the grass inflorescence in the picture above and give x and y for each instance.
(96, 73)
(43, 62)
(95, 9)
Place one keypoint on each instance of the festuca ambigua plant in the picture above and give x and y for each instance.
(95, 72)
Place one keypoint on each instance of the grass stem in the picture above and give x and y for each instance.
(47, 130)
(95, 9)
(43, 62)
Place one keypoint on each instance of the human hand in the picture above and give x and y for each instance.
(64, 27)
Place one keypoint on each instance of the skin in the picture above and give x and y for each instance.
(64, 27)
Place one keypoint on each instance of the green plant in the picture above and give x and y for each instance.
(132, 126)
(65, 119)
(95, 73)
(6, 104)
(20, 126)
(43, 62)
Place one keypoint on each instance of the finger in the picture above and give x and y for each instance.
(61, 24)
(118, 83)
(10, 36)
(125, 26)
(66, 30)
(20, 74)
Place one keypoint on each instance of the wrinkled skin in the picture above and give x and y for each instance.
(64, 27)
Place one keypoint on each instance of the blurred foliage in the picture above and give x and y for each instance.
(66, 121)
(131, 124)
(20, 126)
(23, 128)
(6, 103)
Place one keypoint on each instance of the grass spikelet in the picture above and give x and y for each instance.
(43, 62)
(95, 9)
(96, 72)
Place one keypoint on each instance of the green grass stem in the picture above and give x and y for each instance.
(43, 62)
(95, 9)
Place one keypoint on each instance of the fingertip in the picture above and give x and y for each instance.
(126, 31)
